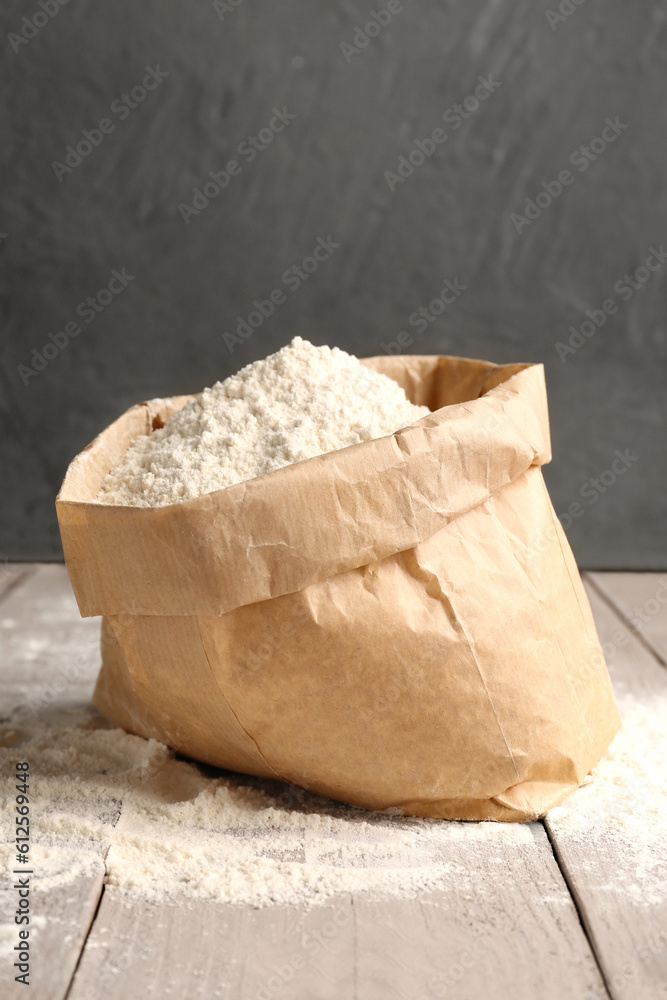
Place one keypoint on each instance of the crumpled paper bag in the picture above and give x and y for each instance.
(398, 625)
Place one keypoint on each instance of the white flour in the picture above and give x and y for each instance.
(300, 402)
(185, 833)
(623, 810)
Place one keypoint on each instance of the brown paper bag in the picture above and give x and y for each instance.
(399, 624)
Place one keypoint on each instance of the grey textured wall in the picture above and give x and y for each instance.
(65, 229)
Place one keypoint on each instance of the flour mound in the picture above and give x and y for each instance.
(300, 402)
(163, 829)
(623, 811)
(166, 829)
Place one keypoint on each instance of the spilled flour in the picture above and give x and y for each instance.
(186, 830)
(191, 832)
(623, 810)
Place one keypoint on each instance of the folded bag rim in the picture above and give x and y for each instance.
(278, 533)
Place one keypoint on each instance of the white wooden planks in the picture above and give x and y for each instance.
(11, 574)
(48, 655)
(626, 918)
(506, 926)
(641, 598)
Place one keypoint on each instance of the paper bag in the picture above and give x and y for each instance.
(398, 625)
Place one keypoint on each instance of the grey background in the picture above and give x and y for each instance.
(324, 175)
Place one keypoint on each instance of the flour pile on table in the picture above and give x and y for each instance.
(165, 828)
(623, 811)
(184, 831)
(301, 402)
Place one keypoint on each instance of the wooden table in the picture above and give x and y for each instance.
(540, 918)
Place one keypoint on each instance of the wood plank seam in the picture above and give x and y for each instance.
(84, 943)
(9, 584)
(625, 620)
(580, 911)
(601, 859)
